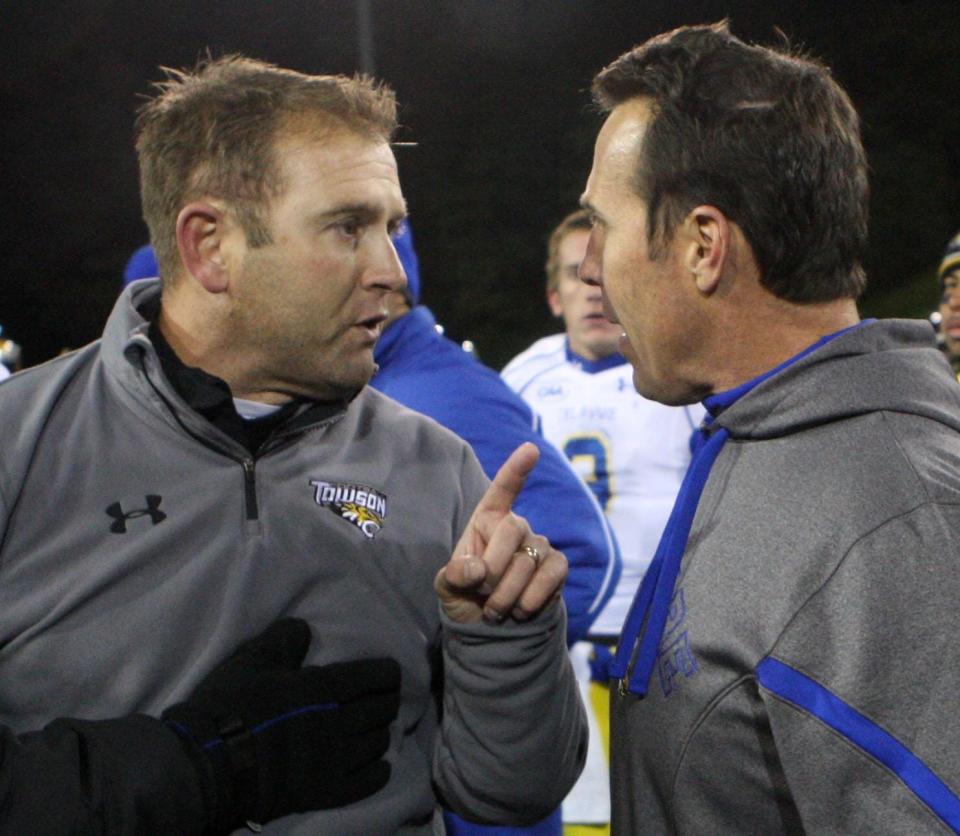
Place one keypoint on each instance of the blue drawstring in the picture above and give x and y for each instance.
(656, 590)
(651, 605)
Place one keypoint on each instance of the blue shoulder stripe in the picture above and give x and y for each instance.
(799, 689)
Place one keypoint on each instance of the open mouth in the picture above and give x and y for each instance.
(597, 319)
(373, 325)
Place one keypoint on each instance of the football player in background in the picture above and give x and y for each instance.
(426, 371)
(10, 353)
(631, 451)
(949, 275)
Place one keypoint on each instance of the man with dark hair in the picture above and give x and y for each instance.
(789, 663)
(216, 463)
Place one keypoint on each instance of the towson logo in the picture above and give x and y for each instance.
(361, 505)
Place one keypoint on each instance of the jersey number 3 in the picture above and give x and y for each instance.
(589, 456)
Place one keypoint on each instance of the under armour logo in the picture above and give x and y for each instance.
(119, 525)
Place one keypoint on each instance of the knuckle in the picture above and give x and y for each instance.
(518, 524)
(501, 596)
(494, 604)
(556, 568)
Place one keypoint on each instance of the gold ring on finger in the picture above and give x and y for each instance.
(531, 552)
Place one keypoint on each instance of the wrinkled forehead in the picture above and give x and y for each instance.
(338, 163)
(313, 133)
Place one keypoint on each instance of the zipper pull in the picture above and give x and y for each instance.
(250, 488)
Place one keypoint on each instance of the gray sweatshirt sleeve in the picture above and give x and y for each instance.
(861, 688)
(513, 735)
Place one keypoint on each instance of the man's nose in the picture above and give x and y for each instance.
(386, 271)
(590, 271)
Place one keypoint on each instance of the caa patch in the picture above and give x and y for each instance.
(552, 392)
(361, 505)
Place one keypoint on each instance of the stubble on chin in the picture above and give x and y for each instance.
(329, 383)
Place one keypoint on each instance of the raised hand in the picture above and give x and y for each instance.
(500, 568)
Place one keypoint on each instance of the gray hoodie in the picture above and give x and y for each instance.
(139, 545)
(808, 676)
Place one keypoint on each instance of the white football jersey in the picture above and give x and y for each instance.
(631, 451)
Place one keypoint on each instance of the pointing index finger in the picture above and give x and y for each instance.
(509, 481)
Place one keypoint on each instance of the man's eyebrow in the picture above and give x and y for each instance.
(364, 211)
(596, 216)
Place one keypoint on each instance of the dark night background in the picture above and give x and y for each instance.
(494, 93)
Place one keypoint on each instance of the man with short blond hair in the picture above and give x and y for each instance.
(214, 133)
(789, 663)
(216, 463)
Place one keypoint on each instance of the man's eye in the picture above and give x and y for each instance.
(349, 227)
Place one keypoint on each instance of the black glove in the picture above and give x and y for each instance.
(278, 738)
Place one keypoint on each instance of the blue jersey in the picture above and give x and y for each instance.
(427, 372)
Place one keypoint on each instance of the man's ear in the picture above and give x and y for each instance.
(201, 226)
(706, 246)
(553, 301)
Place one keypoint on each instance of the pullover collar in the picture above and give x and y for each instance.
(132, 338)
(211, 397)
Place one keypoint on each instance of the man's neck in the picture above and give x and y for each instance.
(181, 339)
(769, 335)
(196, 340)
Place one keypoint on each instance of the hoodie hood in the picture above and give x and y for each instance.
(891, 365)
